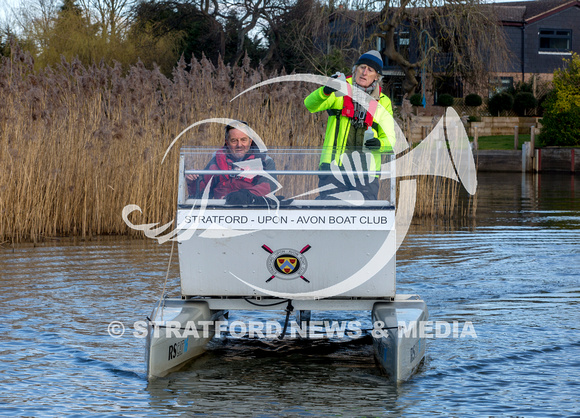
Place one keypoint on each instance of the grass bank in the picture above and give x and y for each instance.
(500, 142)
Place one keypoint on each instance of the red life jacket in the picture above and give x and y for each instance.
(226, 163)
(348, 108)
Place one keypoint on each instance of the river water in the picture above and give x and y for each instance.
(513, 273)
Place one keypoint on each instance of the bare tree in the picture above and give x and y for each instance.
(226, 18)
(315, 36)
(457, 37)
(35, 19)
(249, 15)
(291, 35)
(112, 16)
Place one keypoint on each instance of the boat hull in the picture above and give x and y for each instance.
(178, 332)
(398, 340)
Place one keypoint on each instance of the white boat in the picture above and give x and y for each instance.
(305, 255)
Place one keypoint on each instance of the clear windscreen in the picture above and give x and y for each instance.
(288, 177)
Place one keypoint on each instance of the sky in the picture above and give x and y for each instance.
(5, 6)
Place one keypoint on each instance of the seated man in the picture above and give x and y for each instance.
(239, 153)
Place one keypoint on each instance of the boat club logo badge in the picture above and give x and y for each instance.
(286, 263)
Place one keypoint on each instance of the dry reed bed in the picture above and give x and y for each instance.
(77, 144)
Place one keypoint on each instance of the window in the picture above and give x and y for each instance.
(396, 90)
(404, 44)
(555, 40)
(404, 38)
(447, 85)
(501, 85)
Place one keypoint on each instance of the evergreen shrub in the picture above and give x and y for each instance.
(416, 99)
(523, 102)
(500, 102)
(445, 100)
(473, 100)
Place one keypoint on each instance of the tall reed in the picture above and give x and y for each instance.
(79, 143)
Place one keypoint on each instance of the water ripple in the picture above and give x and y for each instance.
(514, 275)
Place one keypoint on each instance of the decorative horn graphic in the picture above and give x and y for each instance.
(445, 152)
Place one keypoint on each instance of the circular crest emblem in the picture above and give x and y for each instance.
(286, 264)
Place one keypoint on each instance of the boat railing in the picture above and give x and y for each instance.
(296, 183)
(287, 172)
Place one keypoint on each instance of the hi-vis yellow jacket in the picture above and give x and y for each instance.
(339, 125)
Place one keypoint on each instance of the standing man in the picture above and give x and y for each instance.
(349, 121)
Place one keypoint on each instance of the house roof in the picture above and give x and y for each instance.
(354, 15)
(531, 11)
(514, 13)
(510, 13)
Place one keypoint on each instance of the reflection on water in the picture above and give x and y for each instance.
(290, 377)
(510, 200)
(513, 272)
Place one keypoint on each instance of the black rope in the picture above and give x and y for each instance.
(289, 310)
(267, 304)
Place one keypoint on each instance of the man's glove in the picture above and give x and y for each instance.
(241, 197)
(328, 89)
(373, 143)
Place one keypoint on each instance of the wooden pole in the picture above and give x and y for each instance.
(533, 146)
(533, 139)
(516, 134)
(475, 138)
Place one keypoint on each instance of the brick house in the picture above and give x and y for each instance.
(539, 34)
